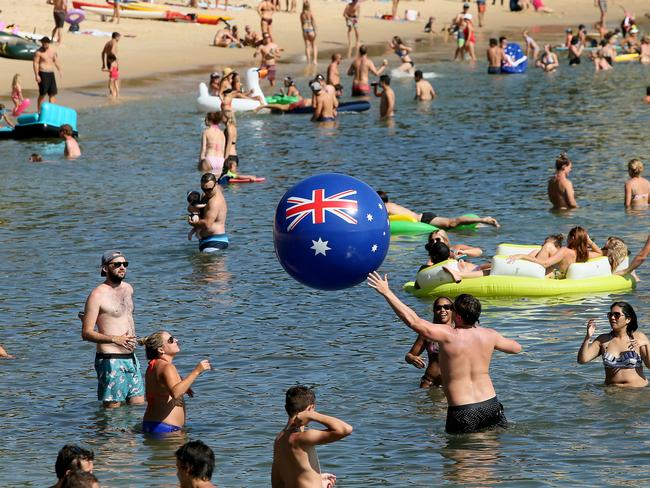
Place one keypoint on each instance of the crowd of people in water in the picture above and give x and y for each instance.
(456, 345)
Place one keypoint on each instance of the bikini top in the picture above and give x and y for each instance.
(626, 360)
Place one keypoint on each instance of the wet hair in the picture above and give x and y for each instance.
(115, 35)
(208, 177)
(438, 252)
(418, 74)
(213, 117)
(493, 41)
(616, 251)
(298, 398)
(69, 457)
(629, 312)
(577, 240)
(79, 479)
(385, 79)
(153, 342)
(363, 50)
(556, 239)
(383, 195)
(468, 308)
(66, 130)
(562, 161)
(635, 167)
(441, 233)
(36, 158)
(196, 459)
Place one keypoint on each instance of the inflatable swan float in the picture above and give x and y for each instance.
(209, 103)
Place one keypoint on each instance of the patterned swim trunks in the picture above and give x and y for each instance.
(118, 377)
(475, 417)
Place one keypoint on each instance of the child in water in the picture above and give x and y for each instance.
(230, 171)
(194, 208)
(72, 150)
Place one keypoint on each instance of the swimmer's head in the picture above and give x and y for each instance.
(383, 195)
(338, 90)
(635, 167)
(207, 178)
(384, 79)
(438, 236)
(45, 41)
(336, 57)
(213, 118)
(363, 50)
(493, 42)
(467, 308)
(195, 460)
(230, 164)
(616, 251)
(556, 239)
(417, 75)
(66, 130)
(438, 252)
(298, 399)
(154, 343)
(288, 81)
(70, 458)
(193, 197)
(562, 161)
(35, 158)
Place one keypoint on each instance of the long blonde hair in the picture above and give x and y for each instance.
(616, 251)
(16, 81)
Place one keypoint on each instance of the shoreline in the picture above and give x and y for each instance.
(88, 89)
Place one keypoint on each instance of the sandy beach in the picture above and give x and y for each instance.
(153, 49)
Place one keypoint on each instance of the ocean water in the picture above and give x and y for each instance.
(486, 145)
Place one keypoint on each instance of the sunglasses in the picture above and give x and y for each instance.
(446, 306)
(616, 315)
(171, 339)
(121, 263)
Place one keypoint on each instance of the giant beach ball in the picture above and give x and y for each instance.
(330, 231)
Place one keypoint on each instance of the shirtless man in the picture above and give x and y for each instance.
(333, 74)
(433, 219)
(194, 465)
(387, 95)
(211, 225)
(295, 461)
(494, 57)
(560, 188)
(110, 307)
(251, 38)
(351, 15)
(266, 9)
(269, 52)
(45, 60)
(360, 68)
(324, 103)
(465, 354)
(224, 38)
(110, 48)
(60, 11)
(424, 92)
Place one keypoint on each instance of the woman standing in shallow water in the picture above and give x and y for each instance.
(637, 187)
(165, 411)
(624, 349)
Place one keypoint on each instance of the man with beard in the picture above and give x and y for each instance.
(110, 307)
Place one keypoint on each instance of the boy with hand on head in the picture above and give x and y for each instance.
(295, 462)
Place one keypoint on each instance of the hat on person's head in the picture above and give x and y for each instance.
(466, 5)
(45, 40)
(319, 77)
(109, 256)
(467, 16)
(227, 70)
(315, 86)
(215, 75)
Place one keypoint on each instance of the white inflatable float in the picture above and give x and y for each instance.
(398, 73)
(210, 103)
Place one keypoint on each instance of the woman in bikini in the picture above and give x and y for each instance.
(403, 53)
(637, 188)
(580, 248)
(624, 349)
(165, 388)
(309, 33)
(548, 62)
(443, 312)
(266, 9)
(213, 142)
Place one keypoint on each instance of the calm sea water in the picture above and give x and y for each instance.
(487, 145)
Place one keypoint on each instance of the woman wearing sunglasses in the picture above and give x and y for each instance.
(165, 411)
(442, 314)
(624, 349)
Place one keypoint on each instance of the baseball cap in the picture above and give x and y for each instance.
(315, 86)
(108, 256)
(466, 5)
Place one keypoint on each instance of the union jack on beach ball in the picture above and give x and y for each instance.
(330, 231)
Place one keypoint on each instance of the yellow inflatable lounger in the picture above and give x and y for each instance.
(522, 279)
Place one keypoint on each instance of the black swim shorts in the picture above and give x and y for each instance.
(427, 217)
(59, 18)
(573, 61)
(494, 70)
(47, 86)
(475, 417)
